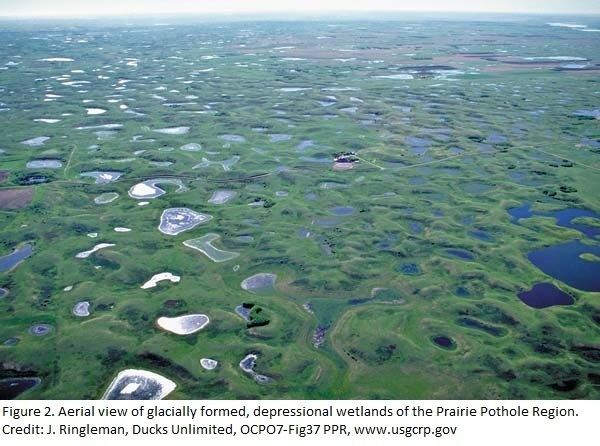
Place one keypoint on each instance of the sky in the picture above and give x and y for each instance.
(134, 7)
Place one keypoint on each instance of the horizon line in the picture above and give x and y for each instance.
(292, 13)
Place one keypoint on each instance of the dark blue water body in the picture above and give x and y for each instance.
(563, 262)
(461, 253)
(3, 292)
(11, 260)
(444, 342)
(10, 388)
(544, 295)
(564, 217)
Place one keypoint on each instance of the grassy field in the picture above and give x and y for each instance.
(453, 123)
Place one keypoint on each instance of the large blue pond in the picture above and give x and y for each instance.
(564, 262)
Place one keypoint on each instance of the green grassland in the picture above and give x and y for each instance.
(408, 208)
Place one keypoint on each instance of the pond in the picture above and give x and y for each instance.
(176, 220)
(183, 325)
(205, 246)
(444, 342)
(342, 211)
(462, 254)
(138, 385)
(208, 364)
(40, 329)
(564, 262)
(149, 189)
(11, 260)
(544, 295)
(81, 309)
(259, 281)
(564, 217)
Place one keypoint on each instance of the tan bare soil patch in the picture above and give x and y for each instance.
(15, 198)
(3, 175)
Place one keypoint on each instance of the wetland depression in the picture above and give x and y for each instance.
(246, 210)
(568, 263)
(544, 295)
(10, 261)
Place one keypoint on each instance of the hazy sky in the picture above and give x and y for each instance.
(118, 7)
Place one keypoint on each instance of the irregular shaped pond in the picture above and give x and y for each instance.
(159, 278)
(260, 281)
(564, 217)
(208, 364)
(149, 189)
(564, 263)
(544, 295)
(138, 385)
(183, 325)
(11, 260)
(81, 309)
(86, 254)
(204, 245)
(176, 220)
